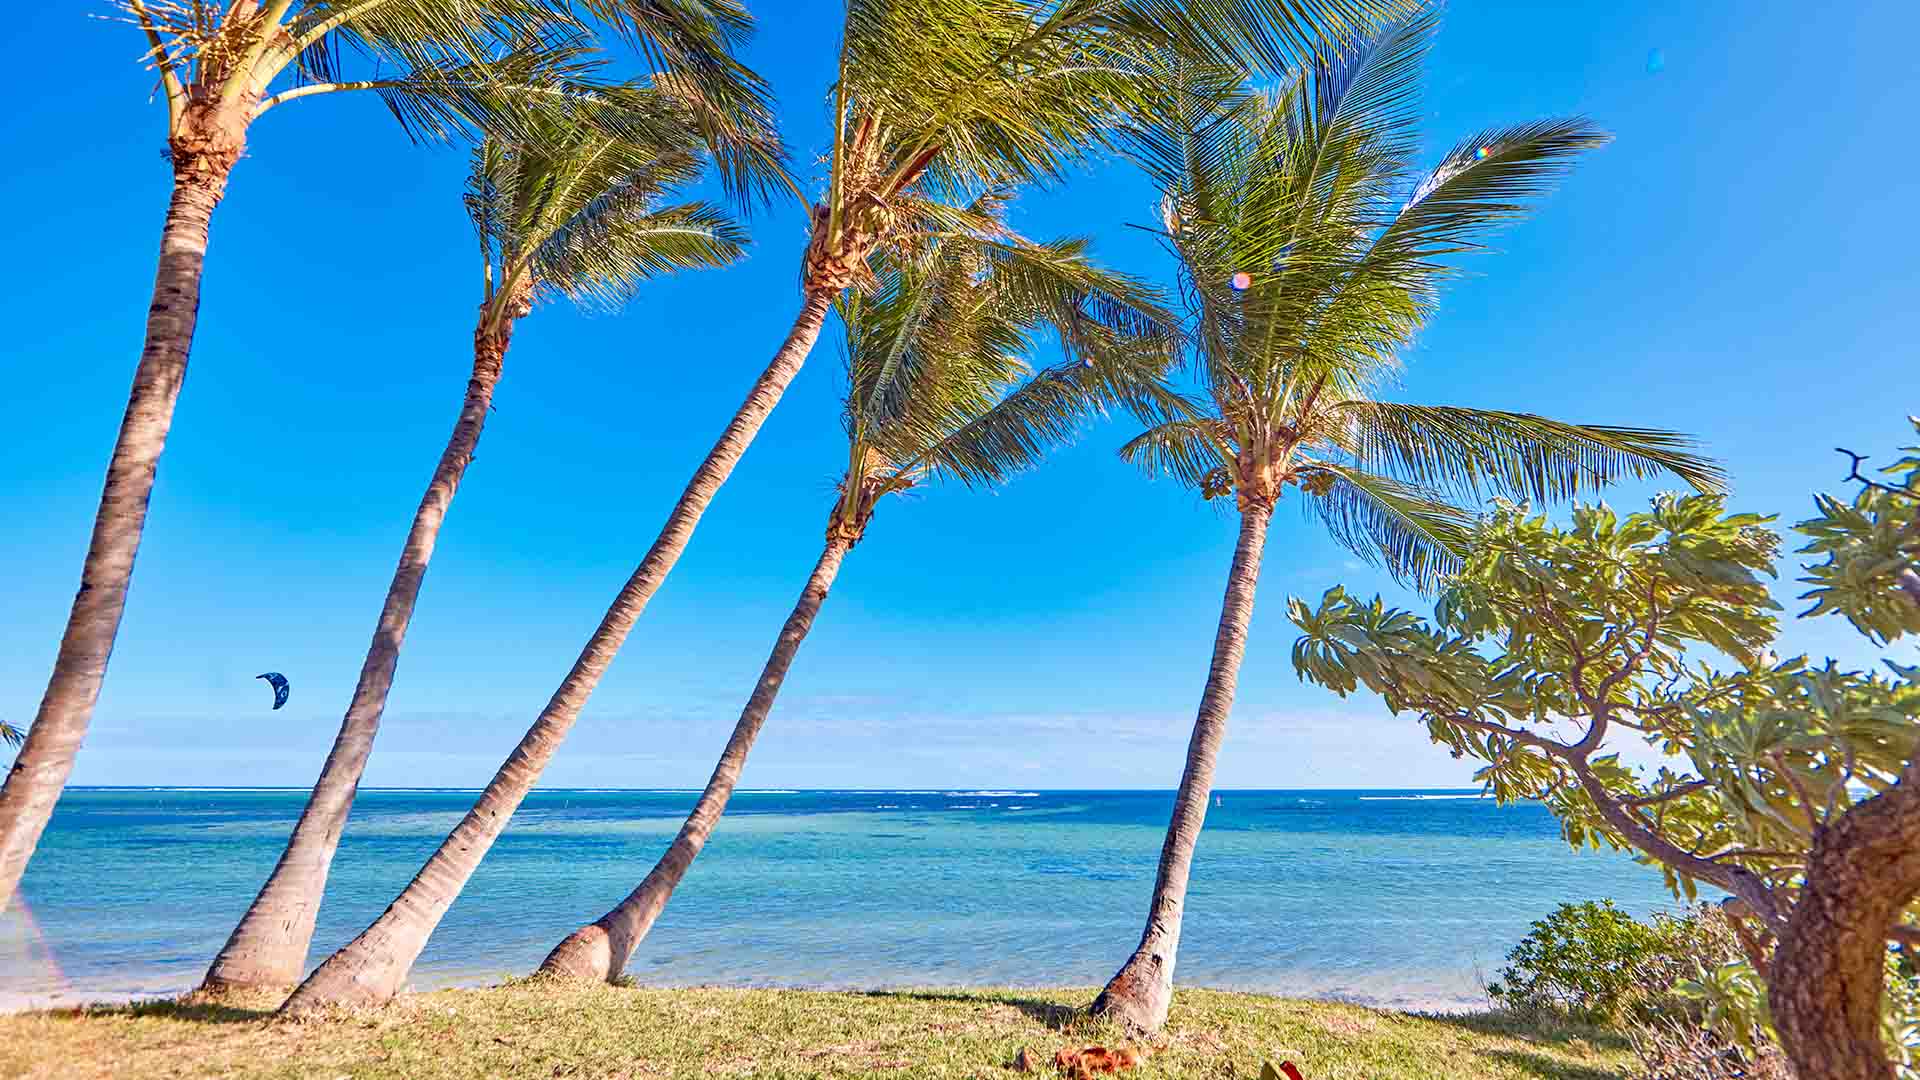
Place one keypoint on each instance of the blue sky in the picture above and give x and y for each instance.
(1738, 264)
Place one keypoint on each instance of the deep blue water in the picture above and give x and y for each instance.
(1387, 897)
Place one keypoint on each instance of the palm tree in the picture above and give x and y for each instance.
(1310, 252)
(934, 98)
(936, 389)
(439, 65)
(578, 214)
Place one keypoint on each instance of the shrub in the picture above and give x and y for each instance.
(1594, 963)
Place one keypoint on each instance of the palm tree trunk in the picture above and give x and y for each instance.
(601, 950)
(269, 946)
(40, 771)
(1140, 992)
(373, 967)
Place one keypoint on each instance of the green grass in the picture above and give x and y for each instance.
(531, 1029)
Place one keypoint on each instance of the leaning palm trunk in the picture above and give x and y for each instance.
(601, 949)
(373, 966)
(40, 771)
(1139, 994)
(269, 946)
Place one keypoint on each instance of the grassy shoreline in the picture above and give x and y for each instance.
(527, 1029)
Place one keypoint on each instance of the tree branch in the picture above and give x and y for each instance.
(1853, 473)
(1674, 792)
(1737, 880)
(1551, 746)
(1806, 799)
(1601, 711)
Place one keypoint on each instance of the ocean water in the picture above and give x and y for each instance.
(1385, 897)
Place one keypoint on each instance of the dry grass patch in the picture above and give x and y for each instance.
(544, 1030)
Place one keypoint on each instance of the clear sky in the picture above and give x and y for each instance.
(1738, 264)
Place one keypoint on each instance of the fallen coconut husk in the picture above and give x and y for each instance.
(1090, 1061)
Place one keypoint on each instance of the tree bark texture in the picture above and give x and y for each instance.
(268, 949)
(1828, 968)
(601, 949)
(39, 773)
(373, 966)
(1140, 993)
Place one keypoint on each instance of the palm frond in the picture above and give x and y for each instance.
(1267, 197)
(604, 253)
(578, 212)
(1487, 180)
(414, 33)
(442, 99)
(1055, 280)
(1021, 89)
(1413, 532)
(968, 296)
(1273, 36)
(1189, 450)
(1516, 455)
(1047, 410)
(938, 379)
(11, 735)
(691, 45)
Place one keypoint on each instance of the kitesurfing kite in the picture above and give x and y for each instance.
(280, 687)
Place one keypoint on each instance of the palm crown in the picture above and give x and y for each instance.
(582, 213)
(1310, 252)
(937, 380)
(443, 66)
(945, 97)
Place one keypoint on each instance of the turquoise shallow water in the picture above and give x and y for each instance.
(1395, 898)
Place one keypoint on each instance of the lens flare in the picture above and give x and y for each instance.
(1656, 61)
(1482, 153)
(1242, 281)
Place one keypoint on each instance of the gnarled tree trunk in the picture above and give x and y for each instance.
(40, 771)
(269, 946)
(1828, 968)
(601, 949)
(373, 966)
(1139, 994)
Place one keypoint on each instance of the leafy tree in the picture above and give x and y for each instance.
(935, 100)
(1795, 788)
(440, 66)
(578, 214)
(1311, 250)
(937, 389)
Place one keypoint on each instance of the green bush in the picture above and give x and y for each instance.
(1594, 963)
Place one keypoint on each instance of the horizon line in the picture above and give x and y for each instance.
(757, 791)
